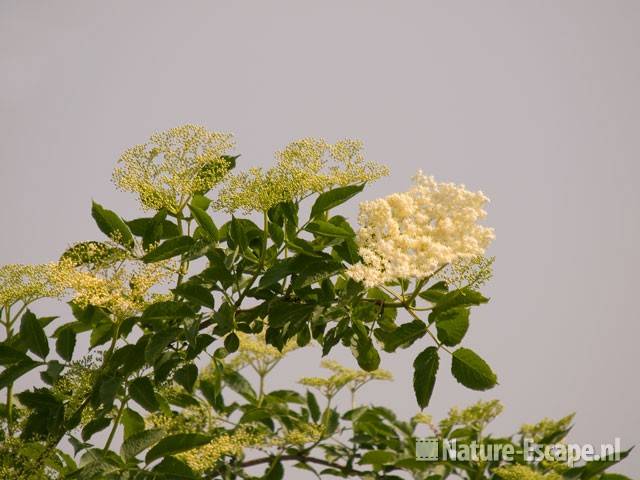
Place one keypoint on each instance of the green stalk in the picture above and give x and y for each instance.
(9, 333)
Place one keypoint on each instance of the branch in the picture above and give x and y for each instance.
(302, 458)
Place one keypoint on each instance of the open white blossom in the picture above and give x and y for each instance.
(413, 234)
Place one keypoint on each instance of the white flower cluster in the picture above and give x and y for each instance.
(412, 234)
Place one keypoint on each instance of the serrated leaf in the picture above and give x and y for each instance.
(15, 371)
(112, 225)
(139, 442)
(132, 422)
(205, 221)
(403, 336)
(425, 369)
(159, 342)
(95, 426)
(314, 408)
(187, 376)
(196, 294)
(9, 355)
(471, 370)
(378, 457)
(320, 227)
(141, 391)
(169, 248)
(66, 343)
(33, 334)
(452, 325)
(333, 198)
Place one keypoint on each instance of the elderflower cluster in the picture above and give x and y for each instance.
(415, 233)
(522, 472)
(546, 427)
(205, 458)
(27, 283)
(468, 272)
(299, 436)
(173, 165)
(124, 289)
(254, 351)
(341, 377)
(305, 166)
(193, 418)
(475, 417)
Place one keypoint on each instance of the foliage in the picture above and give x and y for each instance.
(176, 306)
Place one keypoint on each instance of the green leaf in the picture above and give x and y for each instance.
(187, 376)
(159, 342)
(33, 334)
(178, 443)
(333, 198)
(435, 292)
(95, 426)
(366, 354)
(39, 399)
(378, 457)
(236, 382)
(175, 469)
(282, 313)
(425, 368)
(15, 371)
(169, 248)
(275, 470)
(66, 343)
(206, 222)
(320, 227)
(314, 408)
(472, 371)
(132, 422)
(315, 271)
(403, 336)
(112, 225)
(141, 390)
(231, 342)
(9, 355)
(196, 294)
(139, 442)
(464, 297)
(452, 325)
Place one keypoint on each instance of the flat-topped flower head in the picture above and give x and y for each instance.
(413, 234)
(27, 283)
(342, 377)
(173, 165)
(306, 166)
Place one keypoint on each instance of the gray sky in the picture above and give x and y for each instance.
(534, 102)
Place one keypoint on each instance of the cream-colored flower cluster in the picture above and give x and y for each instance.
(305, 166)
(255, 352)
(204, 458)
(193, 418)
(522, 472)
(124, 289)
(475, 416)
(342, 376)
(173, 165)
(27, 283)
(546, 427)
(298, 436)
(413, 234)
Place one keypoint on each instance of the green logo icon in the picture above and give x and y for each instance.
(427, 449)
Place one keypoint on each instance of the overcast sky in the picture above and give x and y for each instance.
(534, 102)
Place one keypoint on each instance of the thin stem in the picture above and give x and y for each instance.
(9, 333)
(303, 458)
(112, 434)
